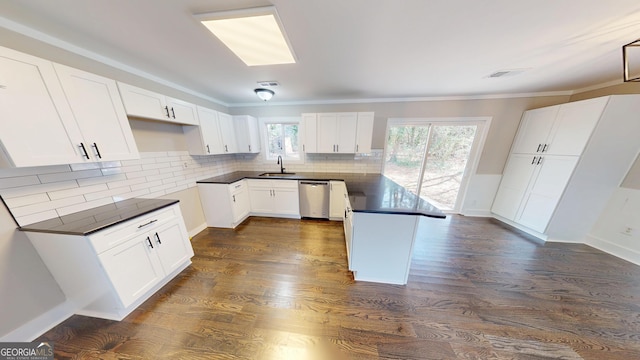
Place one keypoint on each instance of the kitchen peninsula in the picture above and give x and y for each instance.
(381, 218)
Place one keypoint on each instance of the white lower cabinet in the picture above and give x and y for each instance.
(225, 205)
(347, 217)
(337, 200)
(274, 198)
(109, 273)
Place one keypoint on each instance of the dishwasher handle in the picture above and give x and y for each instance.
(324, 183)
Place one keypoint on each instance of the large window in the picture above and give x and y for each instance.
(281, 139)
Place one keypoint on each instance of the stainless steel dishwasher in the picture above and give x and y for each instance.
(314, 199)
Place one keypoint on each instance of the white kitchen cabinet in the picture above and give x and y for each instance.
(99, 113)
(337, 132)
(274, 198)
(227, 133)
(337, 200)
(59, 115)
(590, 145)
(364, 132)
(224, 205)
(558, 130)
(148, 104)
(309, 133)
(247, 134)
(347, 216)
(205, 138)
(110, 272)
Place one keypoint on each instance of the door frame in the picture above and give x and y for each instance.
(483, 124)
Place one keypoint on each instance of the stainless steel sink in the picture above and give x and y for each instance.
(276, 174)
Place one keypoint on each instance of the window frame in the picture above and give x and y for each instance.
(295, 120)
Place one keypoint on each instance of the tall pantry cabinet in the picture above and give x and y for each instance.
(565, 163)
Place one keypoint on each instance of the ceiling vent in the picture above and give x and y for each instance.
(507, 73)
(268, 83)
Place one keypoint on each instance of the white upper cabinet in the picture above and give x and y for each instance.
(364, 132)
(337, 132)
(309, 131)
(151, 105)
(558, 130)
(59, 115)
(227, 133)
(204, 139)
(37, 126)
(247, 134)
(99, 113)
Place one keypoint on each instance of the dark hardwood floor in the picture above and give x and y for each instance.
(280, 289)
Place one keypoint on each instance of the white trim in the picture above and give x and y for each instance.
(476, 213)
(195, 231)
(540, 236)
(597, 86)
(54, 41)
(41, 324)
(405, 99)
(616, 250)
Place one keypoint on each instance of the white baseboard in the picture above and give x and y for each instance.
(630, 255)
(41, 324)
(197, 230)
(477, 212)
(540, 236)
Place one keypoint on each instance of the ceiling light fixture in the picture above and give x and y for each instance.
(255, 35)
(631, 74)
(264, 94)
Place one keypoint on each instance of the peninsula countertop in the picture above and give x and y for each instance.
(373, 193)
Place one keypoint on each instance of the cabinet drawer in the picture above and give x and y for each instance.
(237, 186)
(117, 234)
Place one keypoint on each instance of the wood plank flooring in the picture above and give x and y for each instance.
(280, 289)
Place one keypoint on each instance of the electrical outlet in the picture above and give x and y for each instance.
(185, 165)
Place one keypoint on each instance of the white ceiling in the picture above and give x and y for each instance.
(357, 49)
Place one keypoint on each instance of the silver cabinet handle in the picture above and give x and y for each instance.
(149, 223)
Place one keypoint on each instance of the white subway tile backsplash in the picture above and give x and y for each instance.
(130, 195)
(107, 193)
(12, 182)
(162, 187)
(145, 184)
(137, 174)
(60, 194)
(44, 206)
(15, 172)
(101, 179)
(83, 206)
(160, 165)
(26, 200)
(111, 171)
(85, 166)
(35, 217)
(48, 178)
(128, 182)
(34, 189)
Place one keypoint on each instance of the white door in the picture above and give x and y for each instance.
(228, 133)
(548, 184)
(172, 245)
(211, 137)
(99, 113)
(240, 205)
(182, 112)
(133, 268)
(286, 201)
(347, 127)
(327, 129)
(534, 130)
(261, 199)
(515, 181)
(37, 126)
(144, 103)
(573, 127)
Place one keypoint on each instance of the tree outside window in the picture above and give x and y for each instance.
(282, 140)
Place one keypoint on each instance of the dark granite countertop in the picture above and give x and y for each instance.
(98, 218)
(373, 193)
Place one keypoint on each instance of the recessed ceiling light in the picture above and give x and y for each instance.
(255, 35)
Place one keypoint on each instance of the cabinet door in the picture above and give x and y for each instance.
(547, 185)
(143, 103)
(247, 134)
(573, 127)
(37, 126)
(515, 181)
(99, 113)
(172, 244)
(337, 205)
(347, 128)
(228, 133)
(133, 268)
(327, 127)
(210, 131)
(261, 199)
(534, 130)
(364, 132)
(348, 229)
(286, 201)
(240, 205)
(182, 112)
(309, 130)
